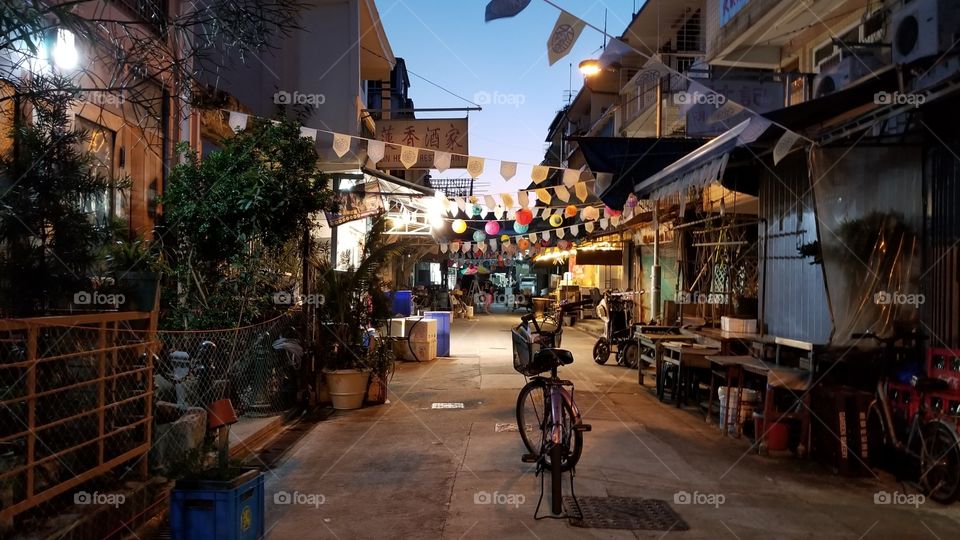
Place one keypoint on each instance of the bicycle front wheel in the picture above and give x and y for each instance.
(534, 424)
(940, 463)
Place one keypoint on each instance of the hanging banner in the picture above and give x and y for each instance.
(544, 196)
(588, 226)
(570, 177)
(341, 144)
(581, 191)
(409, 156)
(539, 173)
(507, 200)
(362, 202)
(443, 248)
(564, 35)
(786, 142)
(474, 166)
(523, 200)
(574, 230)
(489, 202)
(508, 169)
(375, 151)
(561, 232)
(466, 247)
(308, 133)
(441, 161)
(498, 9)
(562, 193)
(238, 121)
(443, 135)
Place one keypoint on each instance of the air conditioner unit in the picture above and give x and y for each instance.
(924, 28)
(845, 72)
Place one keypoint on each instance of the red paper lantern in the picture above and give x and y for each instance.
(524, 216)
(570, 211)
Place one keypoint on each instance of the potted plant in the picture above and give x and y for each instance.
(353, 300)
(381, 361)
(136, 264)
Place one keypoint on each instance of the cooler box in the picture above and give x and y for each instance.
(443, 319)
(421, 329)
(218, 510)
(402, 303)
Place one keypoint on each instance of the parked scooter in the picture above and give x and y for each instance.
(616, 312)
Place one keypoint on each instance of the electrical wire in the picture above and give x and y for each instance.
(411, 72)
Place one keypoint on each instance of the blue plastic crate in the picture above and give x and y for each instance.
(402, 303)
(443, 330)
(218, 510)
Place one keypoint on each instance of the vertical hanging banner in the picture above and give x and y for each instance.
(375, 151)
(341, 144)
(474, 166)
(563, 37)
(508, 169)
(432, 136)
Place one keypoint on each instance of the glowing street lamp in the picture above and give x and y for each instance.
(590, 67)
(65, 55)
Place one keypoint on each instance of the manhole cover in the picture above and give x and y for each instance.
(447, 406)
(631, 513)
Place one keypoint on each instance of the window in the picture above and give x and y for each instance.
(688, 36)
(115, 203)
(868, 31)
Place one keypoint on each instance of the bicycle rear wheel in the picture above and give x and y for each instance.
(533, 422)
(940, 463)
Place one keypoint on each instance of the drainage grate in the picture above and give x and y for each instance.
(631, 513)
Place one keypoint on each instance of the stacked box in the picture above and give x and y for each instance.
(419, 329)
(421, 338)
(415, 351)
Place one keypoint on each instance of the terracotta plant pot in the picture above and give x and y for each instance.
(377, 392)
(348, 387)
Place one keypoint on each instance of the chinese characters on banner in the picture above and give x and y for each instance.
(442, 134)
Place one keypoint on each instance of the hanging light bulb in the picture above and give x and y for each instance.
(65, 55)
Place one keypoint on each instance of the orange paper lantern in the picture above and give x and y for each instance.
(571, 211)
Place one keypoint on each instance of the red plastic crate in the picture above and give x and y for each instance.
(945, 364)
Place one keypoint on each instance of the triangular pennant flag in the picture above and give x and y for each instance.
(474, 166)
(498, 9)
(511, 214)
(455, 247)
(489, 202)
(341, 144)
(508, 169)
(441, 161)
(308, 133)
(613, 53)
(581, 191)
(237, 121)
(523, 200)
(532, 237)
(482, 247)
(539, 173)
(786, 142)
(574, 230)
(375, 151)
(466, 247)
(443, 248)
(544, 196)
(562, 193)
(564, 35)
(604, 223)
(724, 113)
(493, 244)
(571, 177)
(409, 156)
(588, 226)
(507, 200)
(498, 212)
(561, 232)
(615, 220)
(545, 235)
(461, 204)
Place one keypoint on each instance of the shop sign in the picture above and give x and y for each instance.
(729, 8)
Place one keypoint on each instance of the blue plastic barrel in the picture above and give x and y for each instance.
(443, 330)
(403, 303)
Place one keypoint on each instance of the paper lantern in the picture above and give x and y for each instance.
(570, 211)
(520, 229)
(478, 236)
(492, 227)
(523, 243)
(459, 226)
(504, 238)
(524, 216)
(475, 210)
(591, 213)
(632, 201)
(610, 212)
(556, 220)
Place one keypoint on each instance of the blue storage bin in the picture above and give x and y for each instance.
(403, 303)
(218, 509)
(443, 330)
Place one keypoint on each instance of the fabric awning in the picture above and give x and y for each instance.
(629, 160)
(704, 165)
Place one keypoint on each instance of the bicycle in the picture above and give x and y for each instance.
(929, 440)
(547, 415)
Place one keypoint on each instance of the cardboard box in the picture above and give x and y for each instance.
(421, 329)
(742, 326)
(425, 351)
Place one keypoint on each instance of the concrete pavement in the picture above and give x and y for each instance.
(407, 470)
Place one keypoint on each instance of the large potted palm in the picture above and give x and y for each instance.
(353, 300)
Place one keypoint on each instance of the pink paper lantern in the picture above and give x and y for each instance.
(492, 227)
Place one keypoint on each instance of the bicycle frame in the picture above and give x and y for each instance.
(559, 395)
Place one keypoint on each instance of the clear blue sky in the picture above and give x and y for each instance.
(449, 43)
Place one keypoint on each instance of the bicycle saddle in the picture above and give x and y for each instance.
(929, 384)
(556, 357)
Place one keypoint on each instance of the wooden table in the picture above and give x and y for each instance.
(650, 346)
(730, 368)
(685, 357)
